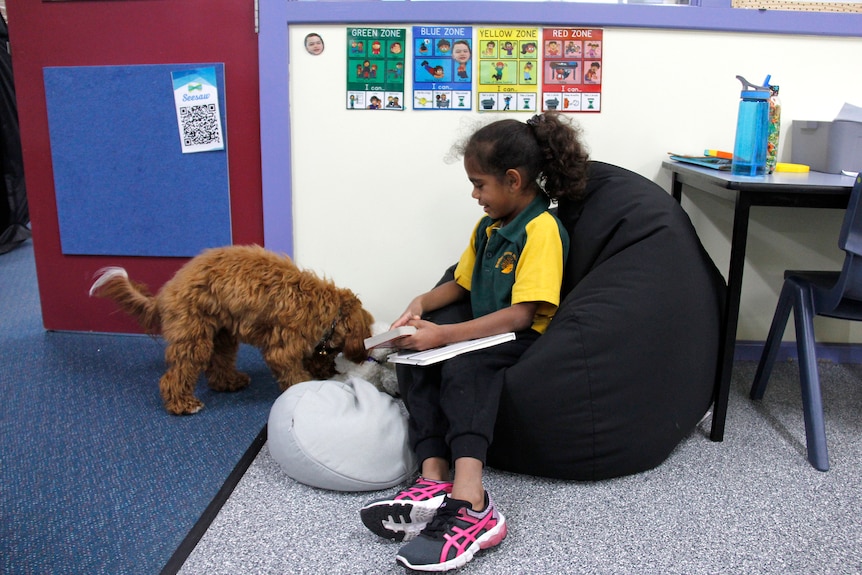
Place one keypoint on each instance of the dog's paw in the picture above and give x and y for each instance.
(185, 407)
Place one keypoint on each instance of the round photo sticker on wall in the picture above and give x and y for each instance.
(314, 44)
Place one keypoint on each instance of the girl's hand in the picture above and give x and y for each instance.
(428, 336)
(405, 319)
(442, 295)
(413, 311)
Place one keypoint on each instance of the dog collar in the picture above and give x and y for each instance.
(323, 346)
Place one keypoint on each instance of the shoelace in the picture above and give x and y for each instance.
(437, 527)
(422, 490)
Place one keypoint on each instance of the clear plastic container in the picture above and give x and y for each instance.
(774, 130)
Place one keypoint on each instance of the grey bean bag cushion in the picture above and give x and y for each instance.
(627, 366)
(345, 436)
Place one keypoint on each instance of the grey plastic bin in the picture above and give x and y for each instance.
(827, 146)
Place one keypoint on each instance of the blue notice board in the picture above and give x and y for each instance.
(122, 183)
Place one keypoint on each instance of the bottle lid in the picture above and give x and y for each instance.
(752, 92)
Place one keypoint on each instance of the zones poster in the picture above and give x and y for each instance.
(572, 69)
(442, 67)
(507, 73)
(375, 68)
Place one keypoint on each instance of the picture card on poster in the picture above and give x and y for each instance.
(375, 68)
(508, 60)
(572, 69)
(442, 68)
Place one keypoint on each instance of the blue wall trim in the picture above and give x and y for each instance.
(710, 15)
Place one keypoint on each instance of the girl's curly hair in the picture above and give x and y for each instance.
(547, 149)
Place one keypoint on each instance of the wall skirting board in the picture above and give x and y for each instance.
(834, 352)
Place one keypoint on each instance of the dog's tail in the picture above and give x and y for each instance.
(133, 298)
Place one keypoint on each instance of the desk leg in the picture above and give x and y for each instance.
(676, 187)
(731, 315)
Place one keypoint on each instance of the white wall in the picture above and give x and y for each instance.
(381, 209)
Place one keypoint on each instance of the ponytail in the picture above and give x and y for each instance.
(564, 168)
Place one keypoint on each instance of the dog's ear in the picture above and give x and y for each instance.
(356, 324)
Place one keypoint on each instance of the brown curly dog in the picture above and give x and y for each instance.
(242, 294)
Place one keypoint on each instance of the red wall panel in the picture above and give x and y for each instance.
(128, 33)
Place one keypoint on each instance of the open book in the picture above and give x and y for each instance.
(448, 351)
(387, 339)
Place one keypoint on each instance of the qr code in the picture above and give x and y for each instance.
(200, 125)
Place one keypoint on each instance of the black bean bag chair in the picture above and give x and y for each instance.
(626, 368)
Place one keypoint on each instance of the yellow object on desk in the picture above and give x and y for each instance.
(718, 154)
(782, 167)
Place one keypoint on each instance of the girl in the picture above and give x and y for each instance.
(509, 277)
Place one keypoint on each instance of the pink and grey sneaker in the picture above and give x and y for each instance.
(454, 535)
(402, 517)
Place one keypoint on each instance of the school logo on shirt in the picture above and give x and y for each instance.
(506, 263)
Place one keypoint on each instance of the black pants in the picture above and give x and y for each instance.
(453, 404)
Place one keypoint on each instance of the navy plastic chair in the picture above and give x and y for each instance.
(831, 294)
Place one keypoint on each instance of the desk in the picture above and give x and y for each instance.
(809, 190)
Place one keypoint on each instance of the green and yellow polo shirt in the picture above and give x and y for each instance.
(520, 262)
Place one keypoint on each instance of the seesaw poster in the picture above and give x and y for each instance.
(508, 69)
(442, 67)
(572, 69)
(375, 68)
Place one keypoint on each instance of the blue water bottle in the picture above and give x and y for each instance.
(752, 130)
